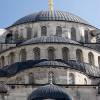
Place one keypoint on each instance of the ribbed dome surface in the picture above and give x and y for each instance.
(51, 63)
(49, 92)
(11, 70)
(49, 39)
(47, 16)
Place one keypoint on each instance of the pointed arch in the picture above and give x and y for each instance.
(85, 81)
(29, 32)
(23, 55)
(86, 36)
(36, 51)
(59, 31)
(65, 53)
(73, 33)
(43, 31)
(71, 78)
(11, 58)
(79, 55)
(51, 53)
(31, 78)
(9, 37)
(91, 58)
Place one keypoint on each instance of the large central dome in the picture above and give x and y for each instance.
(47, 16)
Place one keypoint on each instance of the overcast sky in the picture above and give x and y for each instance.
(12, 10)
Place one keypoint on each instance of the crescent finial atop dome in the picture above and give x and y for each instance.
(51, 7)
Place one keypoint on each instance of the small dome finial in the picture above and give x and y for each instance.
(51, 6)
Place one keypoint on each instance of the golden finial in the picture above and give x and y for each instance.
(51, 6)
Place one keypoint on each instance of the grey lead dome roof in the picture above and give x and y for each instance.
(49, 92)
(47, 16)
(49, 39)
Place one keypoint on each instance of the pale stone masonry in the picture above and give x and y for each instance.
(56, 53)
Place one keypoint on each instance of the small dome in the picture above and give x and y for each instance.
(47, 16)
(49, 92)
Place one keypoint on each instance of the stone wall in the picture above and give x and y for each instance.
(58, 52)
(41, 76)
(75, 92)
(51, 29)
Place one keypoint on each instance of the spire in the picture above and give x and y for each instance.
(51, 8)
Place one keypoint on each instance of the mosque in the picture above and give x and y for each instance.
(50, 55)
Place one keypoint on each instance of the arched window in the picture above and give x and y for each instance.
(99, 61)
(35, 34)
(16, 36)
(73, 33)
(86, 36)
(79, 55)
(36, 53)
(71, 78)
(65, 53)
(2, 61)
(91, 58)
(51, 53)
(43, 31)
(31, 78)
(29, 33)
(59, 31)
(51, 77)
(23, 55)
(85, 81)
(9, 37)
(11, 58)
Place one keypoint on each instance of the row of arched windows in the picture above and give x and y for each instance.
(79, 57)
(11, 58)
(71, 78)
(44, 31)
(59, 32)
(51, 55)
(70, 81)
(10, 38)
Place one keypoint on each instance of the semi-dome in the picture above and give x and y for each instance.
(49, 92)
(47, 16)
(10, 70)
(49, 39)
